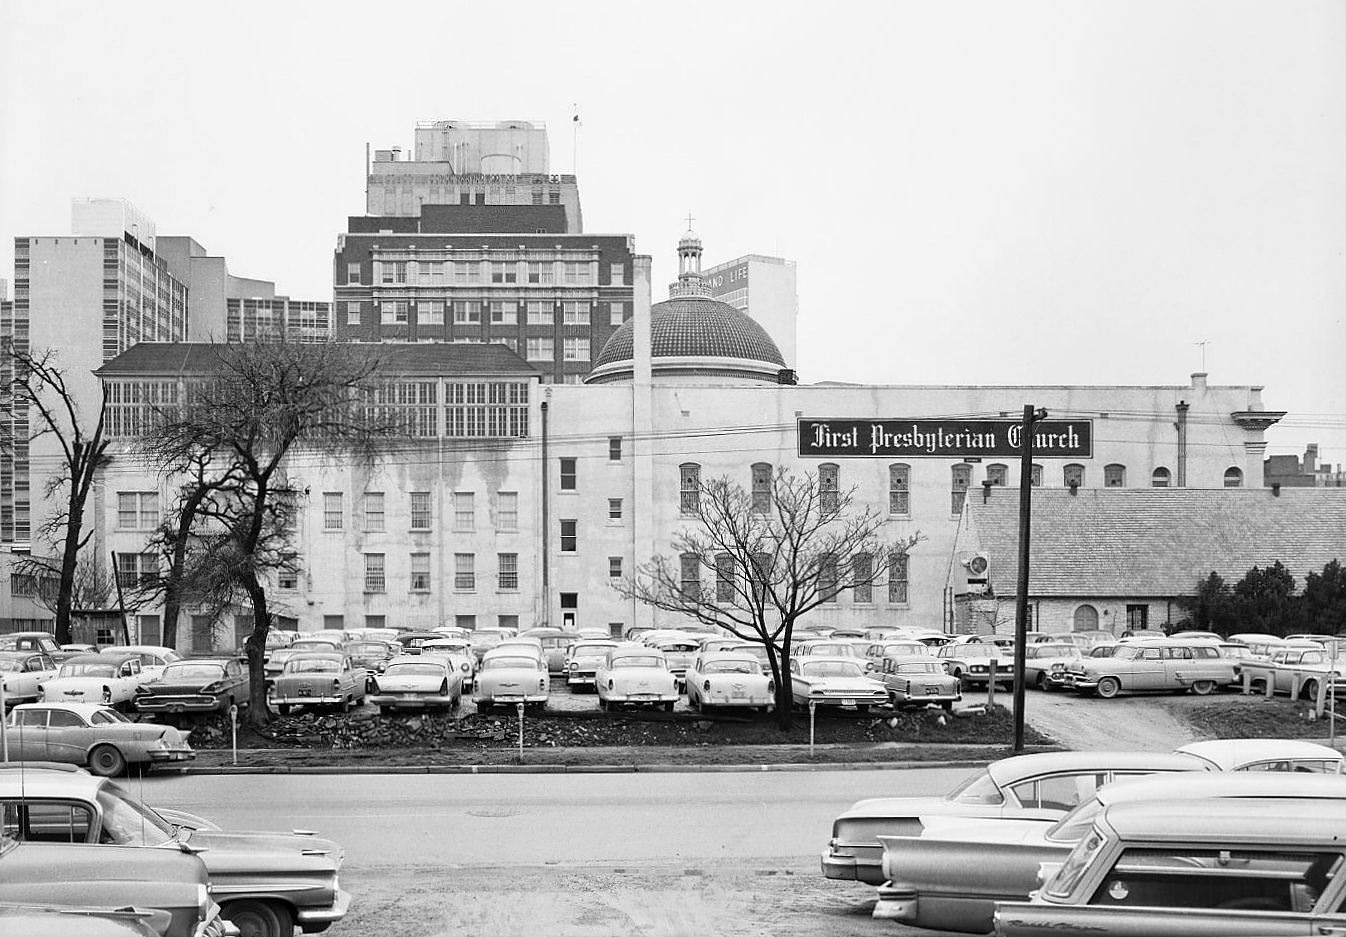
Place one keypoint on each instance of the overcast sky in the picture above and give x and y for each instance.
(1001, 192)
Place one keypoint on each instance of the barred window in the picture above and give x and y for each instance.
(333, 513)
(897, 578)
(724, 578)
(829, 486)
(761, 487)
(899, 488)
(690, 487)
(507, 578)
(420, 510)
(464, 572)
(862, 578)
(374, 573)
(1233, 477)
(496, 409)
(420, 572)
(1160, 478)
(691, 576)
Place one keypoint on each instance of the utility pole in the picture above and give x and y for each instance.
(1031, 416)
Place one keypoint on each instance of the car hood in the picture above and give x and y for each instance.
(231, 851)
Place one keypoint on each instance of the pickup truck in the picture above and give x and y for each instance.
(1310, 665)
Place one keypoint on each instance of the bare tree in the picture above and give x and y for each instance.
(263, 403)
(40, 390)
(773, 557)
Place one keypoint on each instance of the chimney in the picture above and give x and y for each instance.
(1311, 458)
(1199, 381)
(1182, 409)
(1275, 489)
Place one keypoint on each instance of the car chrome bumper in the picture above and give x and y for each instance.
(328, 915)
(504, 699)
(174, 754)
(855, 868)
(747, 700)
(392, 699)
(897, 903)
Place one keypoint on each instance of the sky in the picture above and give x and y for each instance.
(998, 192)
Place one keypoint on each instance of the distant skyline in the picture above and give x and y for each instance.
(1016, 193)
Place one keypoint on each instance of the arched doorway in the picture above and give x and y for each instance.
(1086, 618)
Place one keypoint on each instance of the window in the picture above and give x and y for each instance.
(577, 274)
(420, 510)
(724, 577)
(614, 567)
(466, 312)
(827, 577)
(899, 489)
(569, 473)
(829, 486)
(507, 621)
(862, 577)
(1073, 475)
(1035, 477)
(374, 579)
(614, 448)
(420, 572)
(1114, 476)
(897, 578)
(761, 575)
(761, 487)
(504, 273)
(1233, 477)
(997, 474)
(394, 312)
(137, 510)
(334, 622)
(352, 273)
(374, 511)
(535, 273)
(961, 477)
(541, 349)
(540, 313)
(137, 569)
(465, 511)
(616, 313)
(574, 313)
(617, 274)
(507, 510)
(1058, 792)
(352, 313)
(690, 486)
(464, 271)
(287, 575)
(507, 576)
(464, 572)
(575, 349)
(504, 312)
(469, 622)
(1138, 617)
(430, 312)
(691, 576)
(569, 535)
(1160, 478)
(481, 409)
(614, 509)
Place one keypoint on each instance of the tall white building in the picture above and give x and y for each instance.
(764, 288)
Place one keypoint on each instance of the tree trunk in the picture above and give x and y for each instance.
(173, 587)
(69, 555)
(258, 713)
(780, 670)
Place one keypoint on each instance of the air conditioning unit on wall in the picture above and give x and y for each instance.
(978, 568)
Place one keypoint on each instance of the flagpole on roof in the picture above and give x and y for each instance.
(575, 125)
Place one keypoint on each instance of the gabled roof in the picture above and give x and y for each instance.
(429, 358)
(1156, 541)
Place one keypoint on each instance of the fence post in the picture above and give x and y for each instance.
(990, 685)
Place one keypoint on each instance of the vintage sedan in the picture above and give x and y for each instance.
(951, 876)
(372, 655)
(554, 643)
(583, 658)
(315, 679)
(512, 674)
(110, 677)
(972, 663)
(918, 680)
(834, 681)
(1152, 666)
(1195, 869)
(92, 734)
(198, 685)
(1043, 786)
(43, 641)
(275, 663)
(727, 679)
(458, 652)
(23, 673)
(484, 639)
(1266, 755)
(878, 650)
(757, 650)
(679, 653)
(1297, 669)
(267, 883)
(153, 658)
(1045, 664)
(635, 675)
(827, 647)
(422, 681)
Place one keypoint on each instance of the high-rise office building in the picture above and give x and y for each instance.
(763, 287)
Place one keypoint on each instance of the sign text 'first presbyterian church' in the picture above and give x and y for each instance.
(942, 438)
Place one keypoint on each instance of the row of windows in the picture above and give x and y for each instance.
(373, 513)
(865, 573)
(438, 272)
(497, 312)
(419, 575)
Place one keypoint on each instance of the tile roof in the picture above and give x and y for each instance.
(1156, 541)
(438, 358)
(695, 327)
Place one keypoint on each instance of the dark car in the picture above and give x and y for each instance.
(196, 685)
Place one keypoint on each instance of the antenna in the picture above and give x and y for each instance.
(575, 124)
(1203, 343)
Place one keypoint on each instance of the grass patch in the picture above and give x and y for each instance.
(1254, 717)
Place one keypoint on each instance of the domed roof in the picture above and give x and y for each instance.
(695, 327)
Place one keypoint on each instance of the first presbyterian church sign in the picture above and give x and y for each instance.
(943, 438)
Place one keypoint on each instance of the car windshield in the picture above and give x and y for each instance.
(313, 646)
(414, 670)
(106, 715)
(87, 670)
(638, 662)
(312, 665)
(898, 650)
(730, 666)
(591, 650)
(128, 822)
(979, 788)
(831, 668)
(192, 672)
(1054, 650)
(678, 648)
(1072, 827)
(920, 667)
(510, 663)
(976, 650)
(367, 650)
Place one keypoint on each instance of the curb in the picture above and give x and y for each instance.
(584, 769)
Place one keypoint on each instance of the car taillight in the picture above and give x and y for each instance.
(706, 686)
(374, 686)
(574, 665)
(336, 684)
(467, 668)
(541, 685)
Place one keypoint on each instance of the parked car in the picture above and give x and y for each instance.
(1266, 755)
(483, 639)
(94, 735)
(372, 656)
(1183, 868)
(509, 675)
(197, 685)
(729, 680)
(679, 653)
(1045, 664)
(971, 663)
(1044, 786)
(276, 662)
(834, 681)
(1259, 645)
(110, 677)
(554, 643)
(918, 680)
(23, 673)
(825, 647)
(950, 877)
(153, 658)
(758, 651)
(43, 641)
(318, 679)
(1087, 640)
(459, 655)
(635, 675)
(423, 681)
(338, 636)
(583, 658)
(267, 883)
(1151, 666)
(73, 649)
(1301, 667)
(410, 641)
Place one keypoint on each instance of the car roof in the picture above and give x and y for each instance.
(830, 658)
(1017, 767)
(143, 649)
(106, 657)
(55, 782)
(60, 704)
(316, 655)
(1181, 785)
(912, 659)
(729, 655)
(419, 659)
(1283, 823)
(1226, 753)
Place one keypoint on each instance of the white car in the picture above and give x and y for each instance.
(458, 652)
(730, 680)
(422, 681)
(110, 677)
(23, 673)
(153, 659)
(834, 681)
(679, 653)
(510, 675)
(635, 675)
(583, 658)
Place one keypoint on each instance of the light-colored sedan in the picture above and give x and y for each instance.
(275, 662)
(509, 675)
(458, 652)
(729, 680)
(1045, 664)
(1152, 666)
(583, 658)
(834, 681)
(423, 681)
(153, 659)
(110, 677)
(317, 679)
(635, 675)
(23, 673)
(93, 735)
(918, 680)
(679, 653)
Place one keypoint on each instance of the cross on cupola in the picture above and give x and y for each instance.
(689, 265)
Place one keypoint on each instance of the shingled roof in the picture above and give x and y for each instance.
(429, 358)
(1155, 541)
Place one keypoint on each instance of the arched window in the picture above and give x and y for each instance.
(761, 487)
(1035, 478)
(997, 474)
(690, 484)
(829, 486)
(1160, 478)
(960, 478)
(899, 488)
(1114, 476)
(1073, 475)
(1233, 477)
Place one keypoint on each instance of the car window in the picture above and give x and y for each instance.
(731, 666)
(1233, 879)
(47, 821)
(920, 667)
(189, 671)
(128, 822)
(1058, 792)
(106, 716)
(60, 719)
(831, 668)
(979, 788)
(29, 717)
(509, 663)
(1150, 653)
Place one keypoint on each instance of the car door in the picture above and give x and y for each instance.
(68, 737)
(26, 734)
(1146, 672)
(799, 687)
